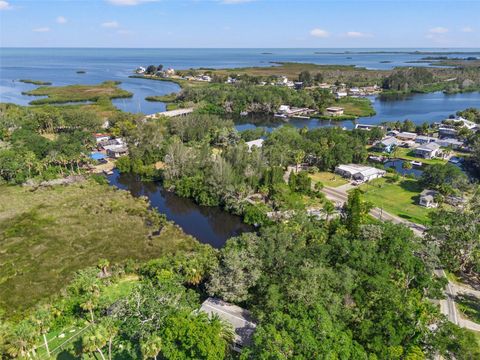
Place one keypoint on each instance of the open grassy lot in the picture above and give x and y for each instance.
(75, 93)
(356, 106)
(48, 234)
(328, 179)
(398, 198)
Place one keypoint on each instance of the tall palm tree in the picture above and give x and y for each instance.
(151, 347)
(42, 319)
(94, 340)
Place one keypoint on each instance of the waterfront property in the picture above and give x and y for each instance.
(387, 144)
(254, 143)
(239, 318)
(406, 136)
(421, 139)
(427, 151)
(452, 143)
(359, 172)
(334, 111)
(367, 127)
(116, 151)
(427, 198)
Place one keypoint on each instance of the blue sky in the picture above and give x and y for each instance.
(240, 23)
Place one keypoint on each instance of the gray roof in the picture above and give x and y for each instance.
(389, 141)
(429, 147)
(239, 318)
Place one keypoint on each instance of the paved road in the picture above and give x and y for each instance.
(339, 196)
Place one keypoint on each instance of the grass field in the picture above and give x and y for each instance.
(328, 179)
(76, 93)
(357, 107)
(398, 198)
(48, 234)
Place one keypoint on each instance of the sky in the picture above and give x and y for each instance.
(240, 23)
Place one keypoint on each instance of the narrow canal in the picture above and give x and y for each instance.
(210, 225)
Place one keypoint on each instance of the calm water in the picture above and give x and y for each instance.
(59, 66)
(419, 108)
(210, 225)
(397, 164)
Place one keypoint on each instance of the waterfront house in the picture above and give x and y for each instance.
(427, 198)
(140, 70)
(367, 127)
(387, 144)
(101, 137)
(452, 143)
(359, 172)
(447, 131)
(392, 133)
(341, 94)
(116, 151)
(406, 136)
(420, 139)
(334, 111)
(427, 151)
(170, 72)
(240, 319)
(254, 143)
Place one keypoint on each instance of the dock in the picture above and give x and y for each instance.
(171, 113)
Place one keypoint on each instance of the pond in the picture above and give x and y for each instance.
(210, 225)
(397, 164)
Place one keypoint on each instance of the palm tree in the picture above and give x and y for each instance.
(21, 343)
(95, 339)
(103, 264)
(151, 346)
(42, 319)
(111, 330)
(329, 209)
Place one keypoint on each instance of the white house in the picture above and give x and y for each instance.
(101, 137)
(334, 111)
(341, 94)
(359, 172)
(406, 136)
(448, 142)
(427, 151)
(254, 143)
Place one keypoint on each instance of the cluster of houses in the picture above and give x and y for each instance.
(341, 91)
(108, 147)
(423, 146)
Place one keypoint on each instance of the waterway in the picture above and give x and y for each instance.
(210, 225)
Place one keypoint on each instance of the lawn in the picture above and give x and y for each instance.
(76, 93)
(328, 179)
(48, 234)
(407, 154)
(358, 107)
(398, 198)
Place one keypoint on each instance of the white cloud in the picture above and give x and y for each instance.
(467, 29)
(61, 20)
(41, 29)
(128, 2)
(320, 33)
(4, 5)
(356, 34)
(110, 24)
(438, 30)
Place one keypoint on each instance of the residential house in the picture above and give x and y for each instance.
(427, 151)
(406, 136)
(392, 133)
(101, 137)
(116, 151)
(387, 144)
(240, 319)
(334, 111)
(254, 143)
(140, 70)
(341, 94)
(367, 127)
(359, 172)
(170, 72)
(449, 142)
(420, 139)
(427, 198)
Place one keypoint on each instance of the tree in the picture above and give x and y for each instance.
(42, 318)
(356, 211)
(95, 339)
(406, 165)
(151, 346)
(151, 69)
(21, 342)
(305, 77)
(238, 271)
(160, 67)
(444, 177)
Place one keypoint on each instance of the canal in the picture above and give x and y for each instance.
(210, 225)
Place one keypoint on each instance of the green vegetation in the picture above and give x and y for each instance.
(77, 93)
(35, 82)
(328, 178)
(398, 197)
(163, 98)
(63, 229)
(469, 306)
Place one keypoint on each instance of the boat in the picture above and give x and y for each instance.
(244, 113)
(301, 117)
(416, 163)
(282, 116)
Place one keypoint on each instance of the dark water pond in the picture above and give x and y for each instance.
(397, 164)
(210, 225)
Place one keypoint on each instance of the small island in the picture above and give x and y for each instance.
(78, 93)
(81, 71)
(35, 82)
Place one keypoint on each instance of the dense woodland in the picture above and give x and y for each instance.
(344, 288)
